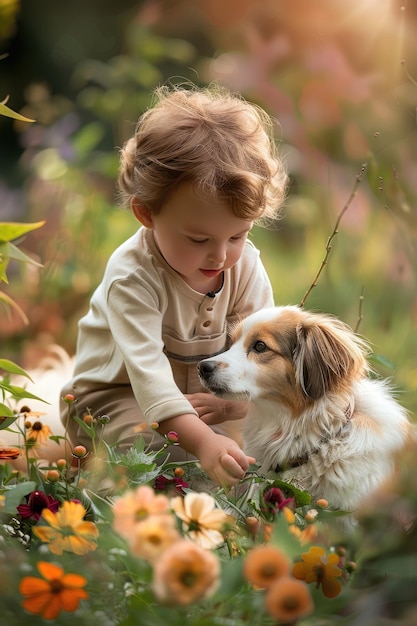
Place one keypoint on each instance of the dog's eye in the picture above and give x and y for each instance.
(260, 346)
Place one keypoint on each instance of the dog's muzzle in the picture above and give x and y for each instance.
(206, 368)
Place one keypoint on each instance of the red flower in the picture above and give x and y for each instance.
(170, 484)
(37, 502)
(275, 501)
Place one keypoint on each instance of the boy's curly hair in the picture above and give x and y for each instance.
(211, 138)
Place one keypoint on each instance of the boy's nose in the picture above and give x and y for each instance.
(217, 254)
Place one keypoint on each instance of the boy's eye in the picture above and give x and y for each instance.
(197, 240)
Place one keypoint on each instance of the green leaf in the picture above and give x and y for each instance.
(5, 412)
(380, 359)
(10, 251)
(13, 230)
(302, 498)
(5, 422)
(11, 367)
(15, 495)
(7, 112)
(20, 392)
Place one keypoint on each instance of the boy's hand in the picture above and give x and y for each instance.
(223, 460)
(213, 410)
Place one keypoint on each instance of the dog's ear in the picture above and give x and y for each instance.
(325, 358)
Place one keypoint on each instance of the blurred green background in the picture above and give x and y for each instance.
(339, 77)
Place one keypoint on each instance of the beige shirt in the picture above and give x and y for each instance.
(147, 328)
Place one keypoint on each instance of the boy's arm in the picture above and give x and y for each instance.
(213, 410)
(220, 457)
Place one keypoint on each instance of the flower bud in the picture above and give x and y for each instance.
(172, 436)
(69, 398)
(311, 515)
(79, 452)
(52, 476)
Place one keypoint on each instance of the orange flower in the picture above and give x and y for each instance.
(185, 573)
(53, 593)
(201, 518)
(134, 506)
(287, 600)
(264, 565)
(321, 569)
(153, 536)
(37, 435)
(67, 530)
(9, 453)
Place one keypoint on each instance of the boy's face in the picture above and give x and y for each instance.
(198, 237)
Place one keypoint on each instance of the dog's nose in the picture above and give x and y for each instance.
(206, 368)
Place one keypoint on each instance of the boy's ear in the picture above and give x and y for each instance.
(142, 214)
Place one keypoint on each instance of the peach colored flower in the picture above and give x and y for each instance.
(264, 565)
(185, 573)
(287, 600)
(152, 536)
(134, 506)
(53, 593)
(316, 567)
(37, 435)
(67, 530)
(202, 520)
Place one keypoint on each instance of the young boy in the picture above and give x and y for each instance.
(199, 171)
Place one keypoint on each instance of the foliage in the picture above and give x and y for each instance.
(115, 523)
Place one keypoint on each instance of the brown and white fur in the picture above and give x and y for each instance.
(314, 413)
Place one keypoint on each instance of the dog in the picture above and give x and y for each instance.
(316, 417)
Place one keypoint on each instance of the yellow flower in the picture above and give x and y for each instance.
(287, 600)
(185, 573)
(316, 567)
(201, 519)
(153, 536)
(134, 506)
(55, 592)
(67, 530)
(37, 435)
(264, 565)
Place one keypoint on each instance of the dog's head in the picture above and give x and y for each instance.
(289, 355)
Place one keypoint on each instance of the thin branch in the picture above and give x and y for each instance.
(334, 233)
(360, 314)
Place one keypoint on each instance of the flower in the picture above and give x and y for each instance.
(264, 565)
(53, 593)
(201, 519)
(275, 500)
(67, 530)
(287, 600)
(37, 502)
(38, 434)
(306, 535)
(153, 536)
(185, 573)
(162, 483)
(9, 453)
(134, 506)
(316, 567)
(172, 437)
